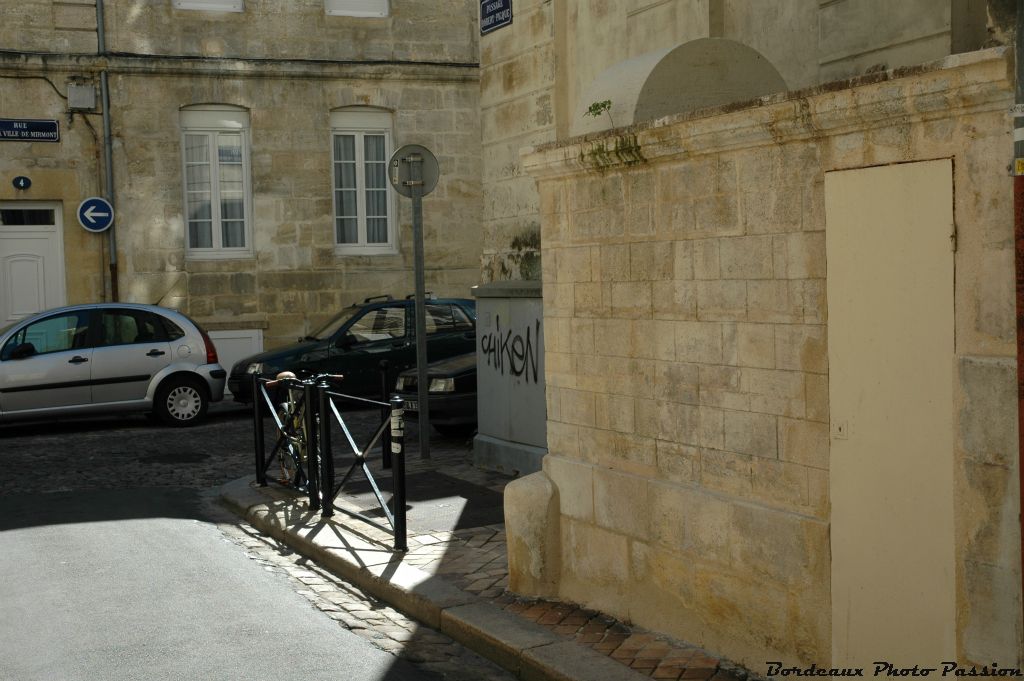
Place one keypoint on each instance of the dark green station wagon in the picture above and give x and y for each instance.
(355, 341)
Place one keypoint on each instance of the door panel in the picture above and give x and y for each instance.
(891, 363)
(31, 259)
(131, 348)
(58, 375)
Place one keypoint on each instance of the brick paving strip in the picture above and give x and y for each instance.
(474, 560)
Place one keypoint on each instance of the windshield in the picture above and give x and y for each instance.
(4, 329)
(331, 327)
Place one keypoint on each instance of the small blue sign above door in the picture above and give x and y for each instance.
(95, 214)
(17, 130)
(494, 14)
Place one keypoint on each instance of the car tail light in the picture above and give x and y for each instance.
(211, 351)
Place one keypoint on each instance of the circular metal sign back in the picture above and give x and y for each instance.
(412, 167)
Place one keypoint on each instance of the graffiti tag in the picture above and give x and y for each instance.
(517, 352)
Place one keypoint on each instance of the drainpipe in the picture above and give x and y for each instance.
(108, 148)
(1018, 236)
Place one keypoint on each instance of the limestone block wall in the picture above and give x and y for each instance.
(67, 27)
(67, 171)
(687, 369)
(538, 74)
(295, 280)
(516, 110)
(289, 65)
(440, 30)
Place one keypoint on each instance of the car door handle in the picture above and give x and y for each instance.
(78, 359)
(155, 353)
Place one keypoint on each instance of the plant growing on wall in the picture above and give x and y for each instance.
(598, 108)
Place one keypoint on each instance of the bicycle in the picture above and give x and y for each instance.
(290, 415)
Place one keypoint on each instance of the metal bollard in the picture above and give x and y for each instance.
(398, 474)
(257, 429)
(326, 455)
(312, 459)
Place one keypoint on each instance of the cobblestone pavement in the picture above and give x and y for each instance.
(128, 452)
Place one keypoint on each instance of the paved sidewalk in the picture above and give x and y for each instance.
(455, 574)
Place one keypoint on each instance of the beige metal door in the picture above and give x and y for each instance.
(891, 361)
(31, 258)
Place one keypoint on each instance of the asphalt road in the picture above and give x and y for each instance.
(113, 569)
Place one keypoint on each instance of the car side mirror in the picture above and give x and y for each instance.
(346, 341)
(24, 350)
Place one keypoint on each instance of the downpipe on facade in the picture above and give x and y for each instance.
(1018, 237)
(108, 149)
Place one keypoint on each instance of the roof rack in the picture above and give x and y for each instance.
(429, 295)
(373, 299)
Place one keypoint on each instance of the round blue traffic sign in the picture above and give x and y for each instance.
(95, 214)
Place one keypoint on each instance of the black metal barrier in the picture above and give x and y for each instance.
(303, 420)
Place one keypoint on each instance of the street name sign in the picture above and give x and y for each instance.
(29, 130)
(95, 214)
(494, 14)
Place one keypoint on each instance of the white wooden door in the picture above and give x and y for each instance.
(31, 258)
(891, 373)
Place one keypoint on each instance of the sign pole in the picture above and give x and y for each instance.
(413, 172)
(416, 185)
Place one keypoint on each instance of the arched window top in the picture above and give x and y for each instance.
(219, 116)
(370, 117)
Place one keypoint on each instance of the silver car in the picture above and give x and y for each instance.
(108, 357)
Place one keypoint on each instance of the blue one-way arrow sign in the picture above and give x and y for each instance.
(95, 214)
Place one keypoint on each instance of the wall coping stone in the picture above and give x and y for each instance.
(508, 289)
(973, 81)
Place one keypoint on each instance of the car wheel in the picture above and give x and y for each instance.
(181, 401)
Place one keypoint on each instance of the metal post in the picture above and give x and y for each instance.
(108, 167)
(398, 475)
(257, 429)
(385, 440)
(312, 459)
(416, 188)
(1018, 235)
(326, 455)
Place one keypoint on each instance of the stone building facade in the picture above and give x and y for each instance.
(249, 141)
(719, 467)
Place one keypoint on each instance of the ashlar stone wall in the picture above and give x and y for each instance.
(687, 358)
(294, 280)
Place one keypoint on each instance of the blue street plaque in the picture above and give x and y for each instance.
(17, 130)
(494, 14)
(95, 214)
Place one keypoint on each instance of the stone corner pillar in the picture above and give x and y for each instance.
(533, 536)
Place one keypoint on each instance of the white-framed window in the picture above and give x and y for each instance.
(356, 8)
(364, 205)
(210, 5)
(217, 189)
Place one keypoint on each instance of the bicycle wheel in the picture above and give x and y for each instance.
(293, 454)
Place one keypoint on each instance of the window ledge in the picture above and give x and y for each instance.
(365, 250)
(219, 255)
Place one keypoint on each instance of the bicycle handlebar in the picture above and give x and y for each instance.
(292, 379)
